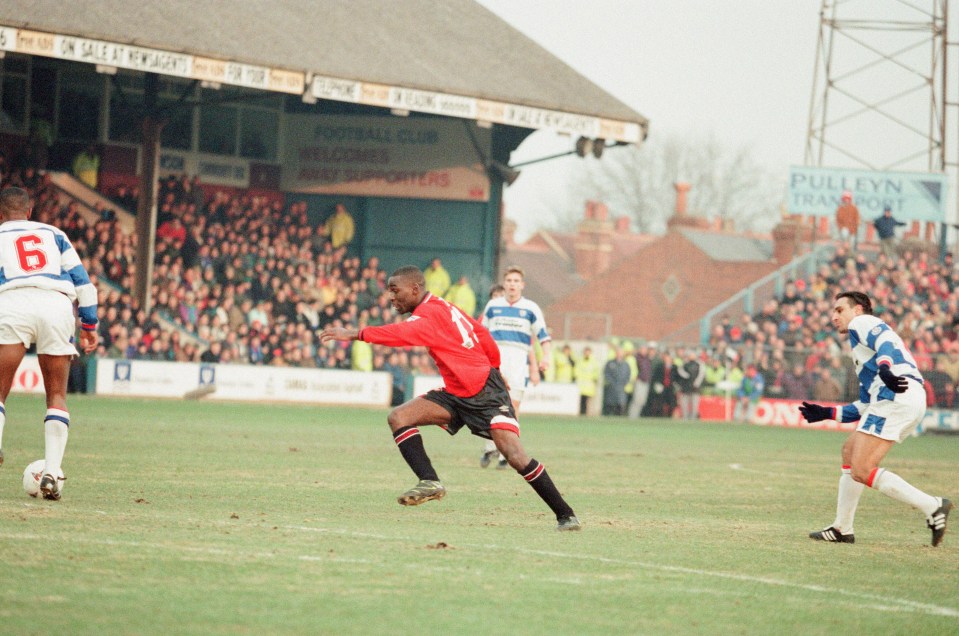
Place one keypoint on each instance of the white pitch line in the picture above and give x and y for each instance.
(743, 469)
(874, 600)
(871, 601)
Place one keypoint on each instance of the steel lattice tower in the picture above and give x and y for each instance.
(882, 94)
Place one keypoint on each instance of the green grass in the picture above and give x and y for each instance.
(196, 517)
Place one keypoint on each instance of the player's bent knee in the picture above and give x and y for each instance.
(395, 419)
(862, 474)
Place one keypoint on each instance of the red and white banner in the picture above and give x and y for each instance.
(769, 412)
(27, 379)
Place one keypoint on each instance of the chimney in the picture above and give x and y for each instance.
(681, 217)
(622, 225)
(789, 237)
(682, 188)
(508, 232)
(594, 246)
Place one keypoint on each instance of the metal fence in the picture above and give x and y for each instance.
(753, 297)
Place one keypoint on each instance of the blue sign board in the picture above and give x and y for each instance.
(912, 196)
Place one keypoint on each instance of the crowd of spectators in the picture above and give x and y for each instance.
(789, 348)
(236, 279)
(245, 279)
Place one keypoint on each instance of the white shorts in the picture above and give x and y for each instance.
(32, 315)
(895, 419)
(516, 374)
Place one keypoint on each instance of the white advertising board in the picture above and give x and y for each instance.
(242, 382)
(546, 398)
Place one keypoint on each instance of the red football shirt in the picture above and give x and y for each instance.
(463, 349)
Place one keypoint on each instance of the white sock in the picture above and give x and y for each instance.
(56, 428)
(3, 420)
(847, 501)
(891, 484)
(490, 446)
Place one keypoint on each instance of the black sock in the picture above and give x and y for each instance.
(411, 447)
(537, 477)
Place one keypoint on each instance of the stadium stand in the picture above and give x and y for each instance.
(237, 278)
(241, 279)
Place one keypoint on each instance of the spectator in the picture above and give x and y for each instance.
(826, 387)
(615, 378)
(339, 227)
(561, 370)
(398, 374)
(690, 376)
(886, 228)
(797, 384)
(462, 295)
(361, 355)
(662, 392)
(950, 362)
(437, 278)
(940, 385)
(586, 372)
(212, 354)
(172, 230)
(629, 357)
(750, 392)
(847, 219)
(86, 166)
(644, 370)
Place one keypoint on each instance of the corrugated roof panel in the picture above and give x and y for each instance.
(450, 46)
(730, 247)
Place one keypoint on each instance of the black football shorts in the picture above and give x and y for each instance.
(489, 409)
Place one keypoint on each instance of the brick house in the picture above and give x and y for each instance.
(606, 280)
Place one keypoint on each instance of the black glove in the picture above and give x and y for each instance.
(895, 383)
(815, 412)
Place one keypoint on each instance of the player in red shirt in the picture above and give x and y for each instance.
(475, 395)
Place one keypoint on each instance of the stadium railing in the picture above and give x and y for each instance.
(752, 297)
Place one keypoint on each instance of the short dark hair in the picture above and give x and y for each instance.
(15, 200)
(857, 298)
(412, 272)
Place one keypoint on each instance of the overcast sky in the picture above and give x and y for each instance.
(741, 70)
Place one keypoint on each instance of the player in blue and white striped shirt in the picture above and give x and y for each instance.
(514, 321)
(891, 404)
(41, 277)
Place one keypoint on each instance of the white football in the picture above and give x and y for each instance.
(32, 475)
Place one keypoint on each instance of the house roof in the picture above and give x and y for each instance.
(729, 248)
(451, 47)
(549, 260)
(666, 286)
(549, 276)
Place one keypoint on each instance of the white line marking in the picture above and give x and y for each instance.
(874, 600)
(743, 469)
(870, 601)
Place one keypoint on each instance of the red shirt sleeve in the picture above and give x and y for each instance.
(412, 332)
(486, 341)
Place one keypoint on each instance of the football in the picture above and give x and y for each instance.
(32, 475)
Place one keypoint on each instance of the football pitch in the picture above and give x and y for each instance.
(211, 518)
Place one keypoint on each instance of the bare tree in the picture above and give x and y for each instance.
(638, 182)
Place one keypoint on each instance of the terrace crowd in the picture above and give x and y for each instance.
(245, 279)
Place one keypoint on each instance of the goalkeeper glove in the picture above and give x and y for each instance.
(816, 413)
(895, 383)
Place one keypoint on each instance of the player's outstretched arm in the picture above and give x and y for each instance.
(338, 333)
(816, 412)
